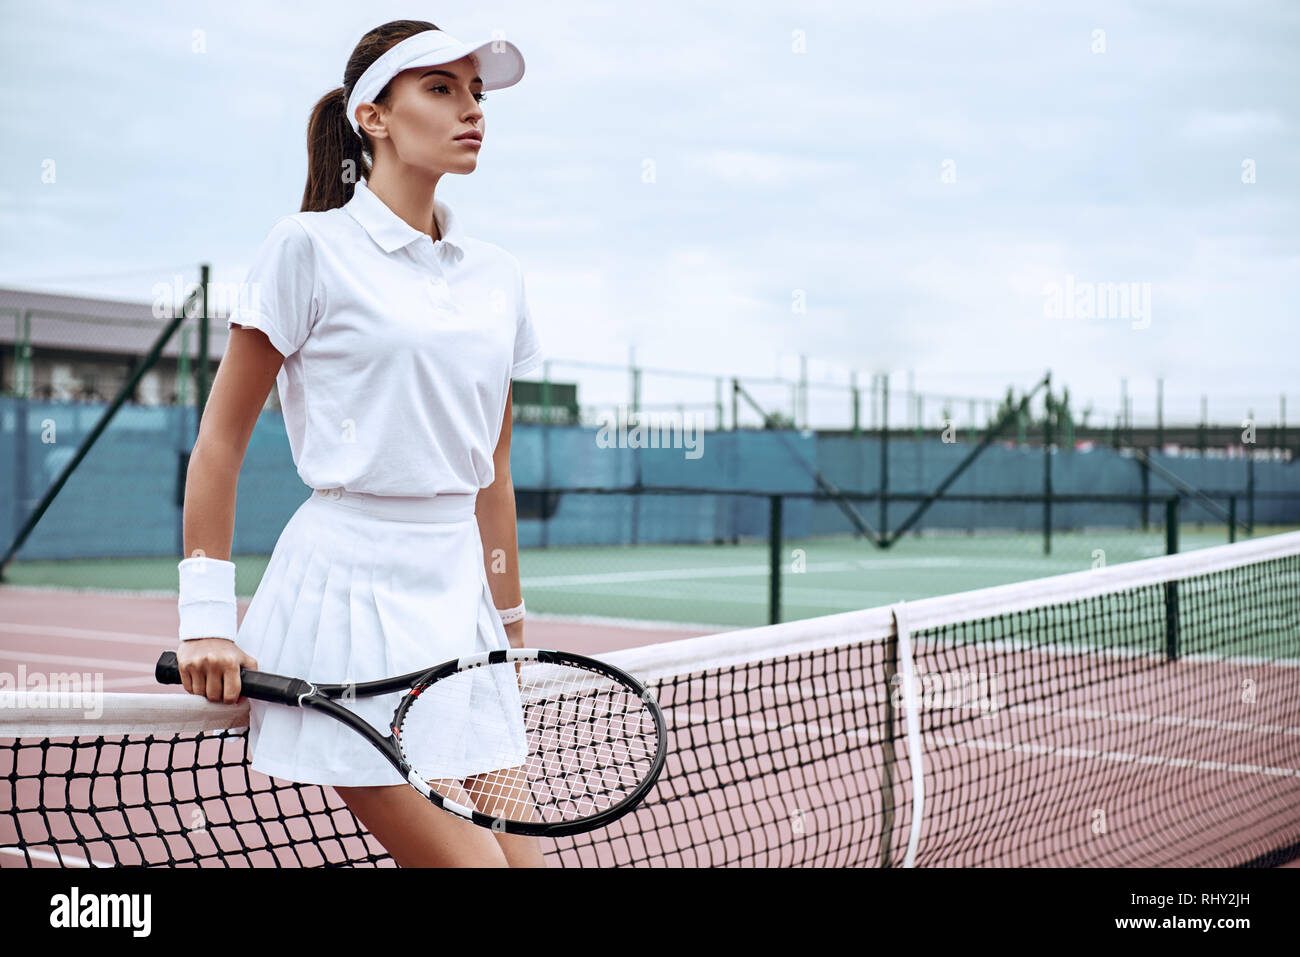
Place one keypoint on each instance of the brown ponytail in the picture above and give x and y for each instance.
(336, 156)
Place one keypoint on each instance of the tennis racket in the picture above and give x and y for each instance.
(519, 740)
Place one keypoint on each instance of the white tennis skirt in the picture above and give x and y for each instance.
(361, 587)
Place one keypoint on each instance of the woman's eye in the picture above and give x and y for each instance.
(478, 97)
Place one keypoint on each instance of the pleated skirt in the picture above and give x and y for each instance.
(362, 587)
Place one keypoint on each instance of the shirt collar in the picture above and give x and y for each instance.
(390, 231)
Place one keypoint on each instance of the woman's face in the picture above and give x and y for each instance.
(428, 108)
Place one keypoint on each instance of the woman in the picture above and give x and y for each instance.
(393, 337)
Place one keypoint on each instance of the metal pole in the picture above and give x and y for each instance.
(911, 393)
(635, 378)
(1144, 470)
(1123, 410)
(1047, 470)
(1250, 492)
(183, 372)
(1160, 413)
(204, 271)
(23, 356)
(544, 527)
(857, 404)
(774, 587)
(884, 454)
(803, 391)
(1282, 422)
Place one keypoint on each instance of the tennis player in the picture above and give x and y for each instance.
(394, 338)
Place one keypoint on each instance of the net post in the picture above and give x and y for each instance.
(889, 756)
(1232, 519)
(774, 581)
(1171, 587)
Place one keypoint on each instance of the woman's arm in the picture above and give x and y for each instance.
(495, 511)
(210, 666)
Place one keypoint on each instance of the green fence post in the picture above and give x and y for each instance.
(884, 455)
(204, 271)
(774, 587)
(1047, 470)
(857, 404)
(1250, 492)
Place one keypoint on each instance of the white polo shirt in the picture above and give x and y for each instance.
(399, 350)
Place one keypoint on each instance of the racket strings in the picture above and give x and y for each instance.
(531, 741)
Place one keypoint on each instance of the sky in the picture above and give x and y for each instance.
(933, 190)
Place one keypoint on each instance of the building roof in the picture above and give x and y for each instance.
(83, 323)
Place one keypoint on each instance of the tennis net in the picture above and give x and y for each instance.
(1146, 714)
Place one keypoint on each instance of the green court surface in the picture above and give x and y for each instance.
(723, 585)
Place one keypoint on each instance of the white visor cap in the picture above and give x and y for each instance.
(500, 64)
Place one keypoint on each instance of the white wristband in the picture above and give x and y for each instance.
(207, 600)
(511, 614)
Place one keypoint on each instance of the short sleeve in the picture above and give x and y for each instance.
(528, 349)
(279, 294)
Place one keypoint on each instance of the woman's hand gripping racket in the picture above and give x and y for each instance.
(544, 742)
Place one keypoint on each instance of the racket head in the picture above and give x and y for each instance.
(531, 741)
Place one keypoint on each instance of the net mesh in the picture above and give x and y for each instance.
(1141, 715)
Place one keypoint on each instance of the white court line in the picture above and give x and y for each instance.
(25, 657)
(636, 623)
(868, 735)
(93, 634)
(165, 642)
(858, 697)
(696, 718)
(138, 684)
(50, 857)
(725, 571)
(108, 592)
(1119, 757)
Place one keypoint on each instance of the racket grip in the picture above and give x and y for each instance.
(252, 684)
